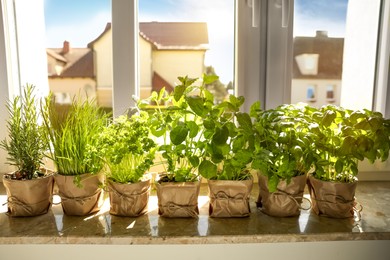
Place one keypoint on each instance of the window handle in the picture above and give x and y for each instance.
(285, 13)
(255, 6)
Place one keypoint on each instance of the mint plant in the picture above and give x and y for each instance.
(177, 120)
(228, 141)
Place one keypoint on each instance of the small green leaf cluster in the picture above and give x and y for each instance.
(26, 146)
(344, 137)
(126, 148)
(70, 134)
(284, 146)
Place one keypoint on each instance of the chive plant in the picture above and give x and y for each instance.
(71, 133)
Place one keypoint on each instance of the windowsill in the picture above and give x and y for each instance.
(103, 228)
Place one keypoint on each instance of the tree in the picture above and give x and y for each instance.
(217, 87)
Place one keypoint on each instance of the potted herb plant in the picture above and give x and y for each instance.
(69, 135)
(283, 156)
(128, 153)
(343, 138)
(228, 141)
(30, 187)
(176, 119)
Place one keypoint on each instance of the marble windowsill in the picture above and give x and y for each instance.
(103, 228)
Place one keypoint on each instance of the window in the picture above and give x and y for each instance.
(330, 93)
(263, 41)
(311, 93)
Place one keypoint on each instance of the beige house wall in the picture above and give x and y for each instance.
(145, 60)
(70, 87)
(103, 60)
(172, 64)
(299, 91)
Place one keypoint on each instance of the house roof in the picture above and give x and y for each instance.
(171, 35)
(176, 35)
(330, 52)
(78, 62)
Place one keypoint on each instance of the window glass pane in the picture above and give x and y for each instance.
(79, 50)
(189, 37)
(319, 31)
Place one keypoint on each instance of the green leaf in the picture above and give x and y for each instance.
(273, 182)
(209, 123)
(328, 118)
(178, 134)
(339, 166)
(193, 129)
(196, 104)
(208, 79)
(194, 161)
(178, 92)
(207, 169)
(221, 135)
(245, 122)
(255, 108)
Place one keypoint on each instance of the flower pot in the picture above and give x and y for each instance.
(178, 199)
(229, 198)
(29, 197)
(129, 200)
(286, 200)
(332, 199)
(80, 201)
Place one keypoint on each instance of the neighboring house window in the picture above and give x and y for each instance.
(311, 93)
(330, 93)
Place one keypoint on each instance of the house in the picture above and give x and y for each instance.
(71, 72)
(166, 50)
(317, 69)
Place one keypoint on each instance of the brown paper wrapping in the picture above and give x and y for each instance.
(29, 197)
(229, 198)
(332, 199)
(81, 201)
(286, 200)
(129, 200)
(178, 199)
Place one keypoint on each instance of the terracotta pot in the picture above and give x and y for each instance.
(129, 200)
(332, 199)
(80, 201)
(178, 199)
(29, 197)
(229, 198)
(285, 201)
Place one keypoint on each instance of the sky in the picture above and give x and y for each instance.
(82, 21)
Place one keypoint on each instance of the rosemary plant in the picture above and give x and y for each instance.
(25, 146)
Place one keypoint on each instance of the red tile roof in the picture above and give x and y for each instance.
(175, 35)
(171, 35)
(79, 62)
